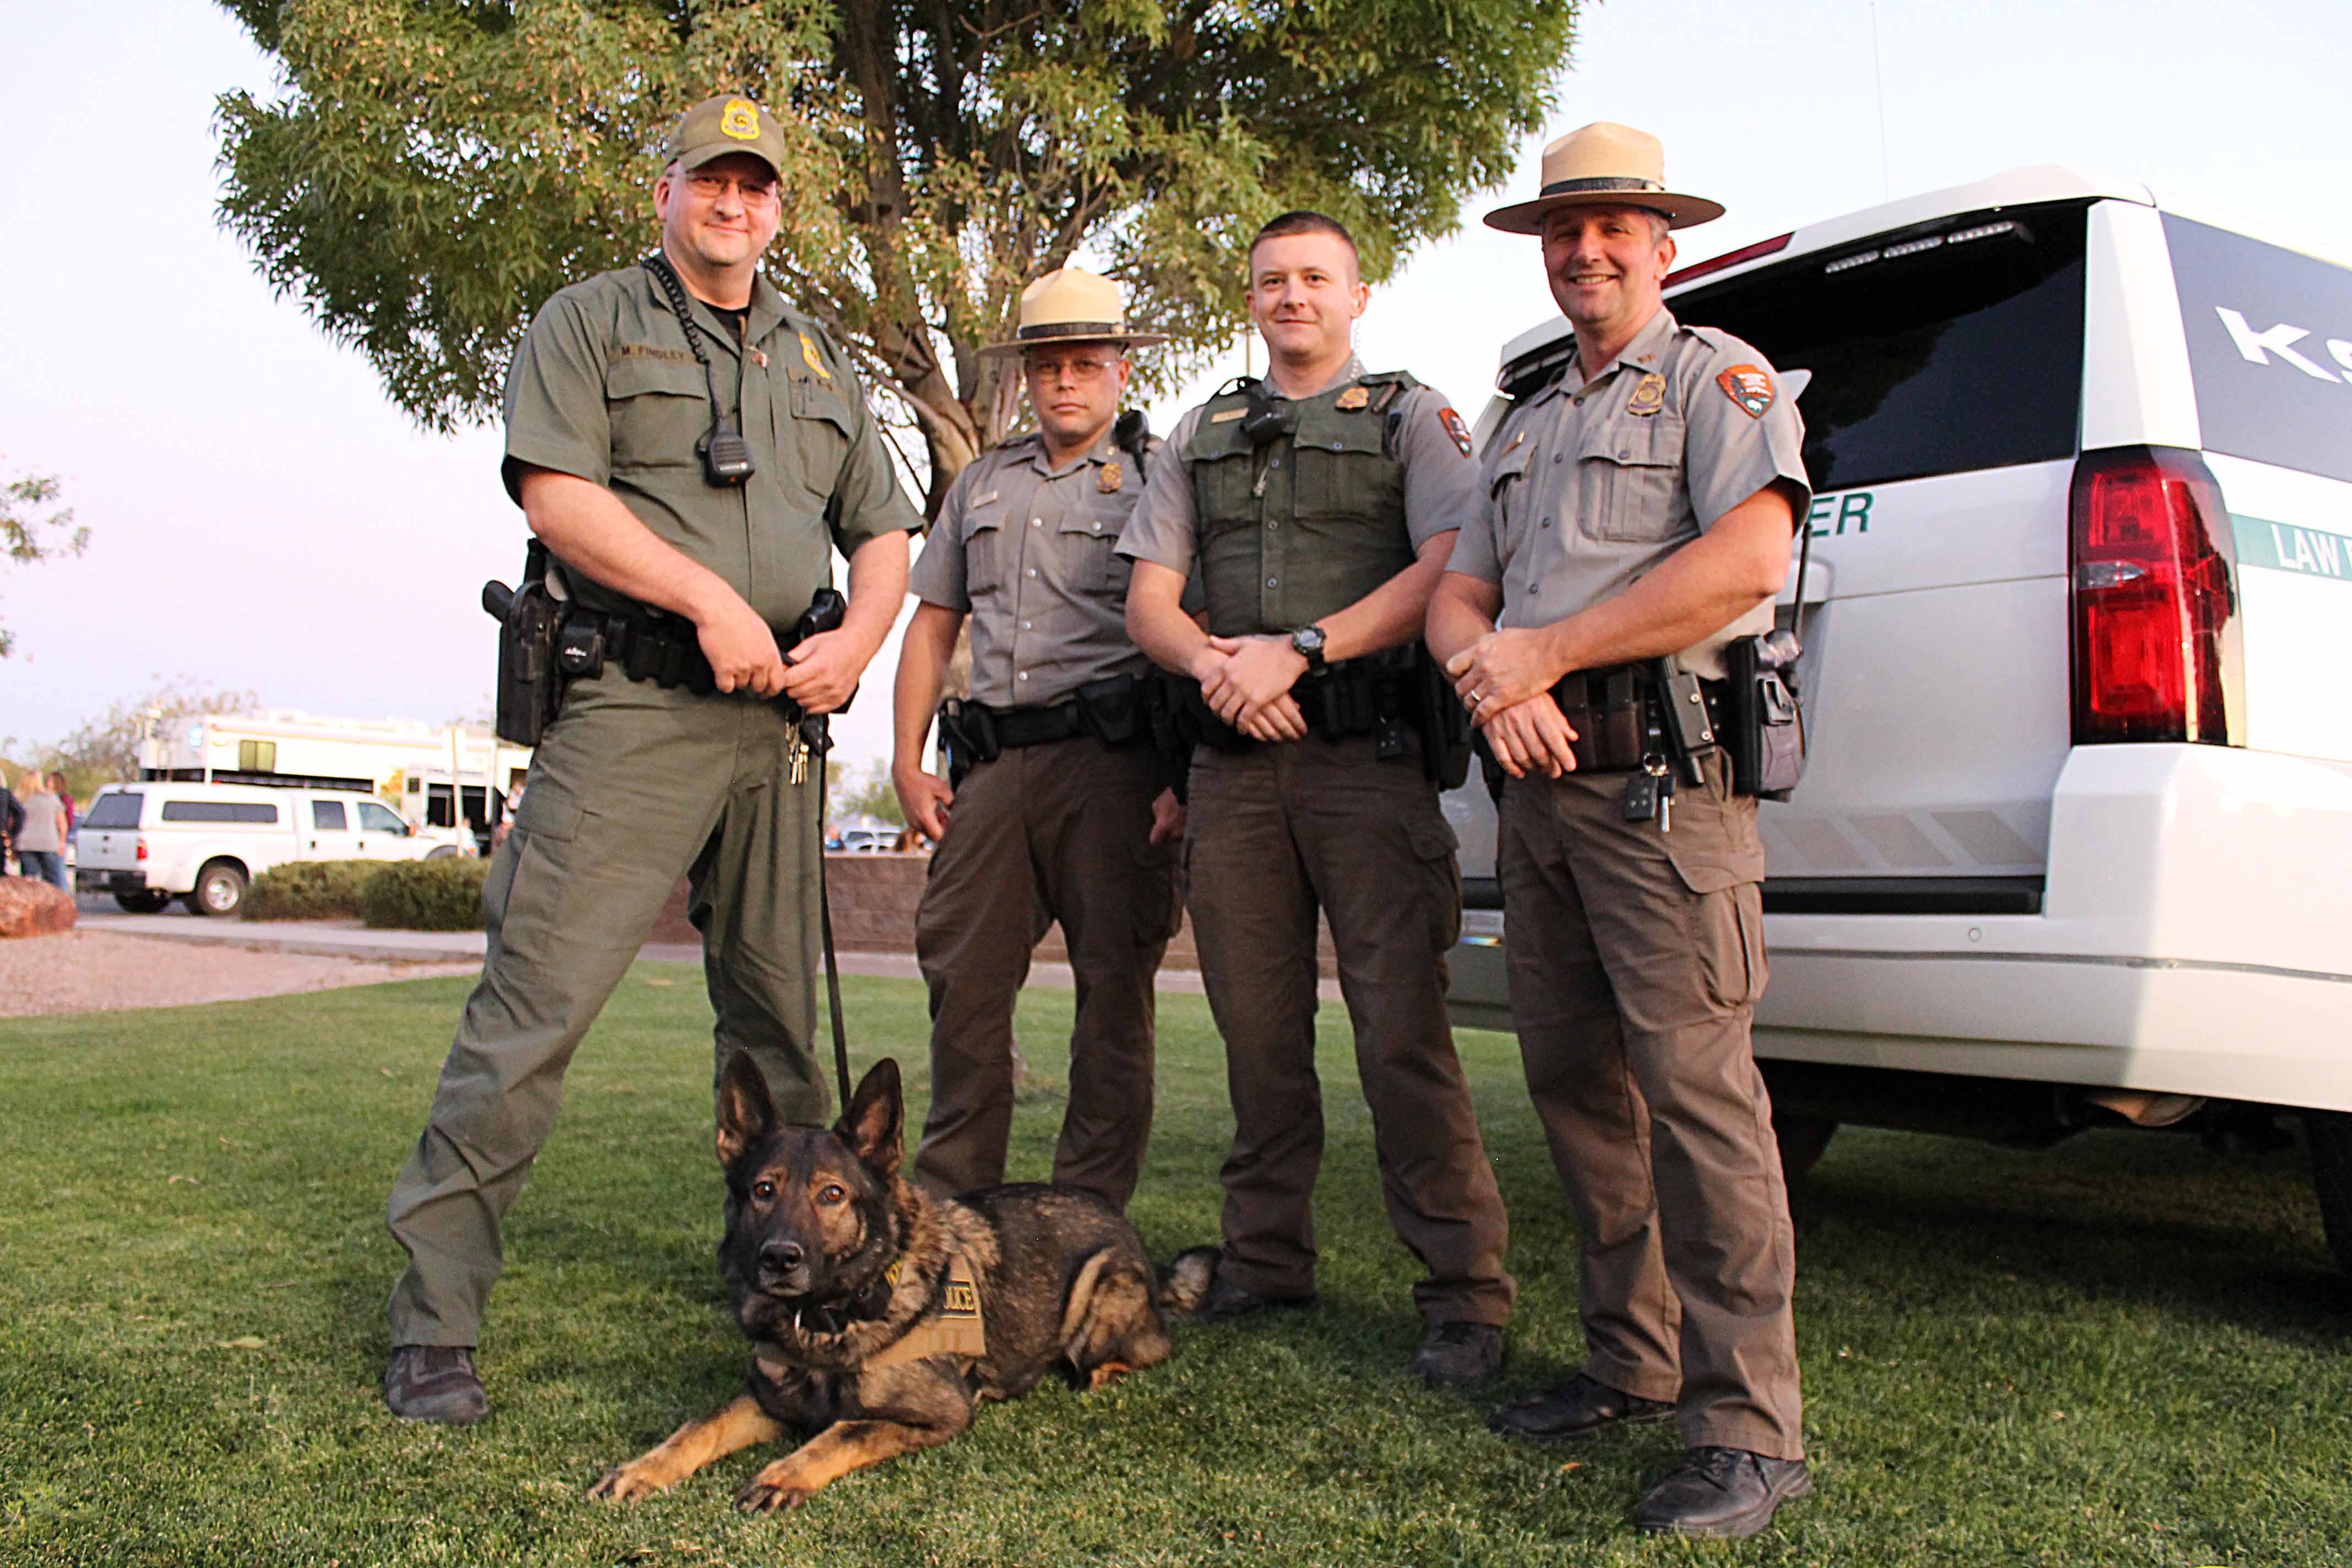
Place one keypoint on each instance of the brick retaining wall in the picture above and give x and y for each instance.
(874, 898)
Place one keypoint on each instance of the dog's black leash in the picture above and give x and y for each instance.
(823, 746)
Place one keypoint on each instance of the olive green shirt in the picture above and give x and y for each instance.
(1440, 480)
(604, 387)
(1026, 548)
(1588, 487)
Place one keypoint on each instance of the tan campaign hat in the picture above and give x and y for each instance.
(1604, 164)
(718, 126)
(1071, 302)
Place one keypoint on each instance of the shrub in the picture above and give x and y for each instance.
(310, 891)
(426, 894)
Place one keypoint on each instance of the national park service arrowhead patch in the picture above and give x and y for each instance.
(1455, 428)
(1749, 387)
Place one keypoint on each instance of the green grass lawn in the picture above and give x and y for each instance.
(2121, 1351)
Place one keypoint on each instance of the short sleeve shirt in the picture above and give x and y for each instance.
(1441, 480)
(1586, 489)
(1027, 549)
(605, 387)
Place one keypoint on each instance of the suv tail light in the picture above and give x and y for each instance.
(2154, 600)
(141, 852)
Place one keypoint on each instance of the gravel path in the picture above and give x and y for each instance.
(89, 971)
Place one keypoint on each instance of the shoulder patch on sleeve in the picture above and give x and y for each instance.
(1455, 428)
(1749, 387)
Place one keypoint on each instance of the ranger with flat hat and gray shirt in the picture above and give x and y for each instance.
(691, 767)
(1639, 506)
(1064, 813)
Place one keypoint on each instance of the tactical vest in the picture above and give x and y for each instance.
(1306, 524)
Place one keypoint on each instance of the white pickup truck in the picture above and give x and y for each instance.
(152, 842)
(2074, 844)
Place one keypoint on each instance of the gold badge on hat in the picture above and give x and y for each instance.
(741, 120)
(1110, 477)
(1649, 396)
(808, 353)
(1355, 397)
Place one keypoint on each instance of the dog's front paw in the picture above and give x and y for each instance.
(634, 1479)
(772, 1491)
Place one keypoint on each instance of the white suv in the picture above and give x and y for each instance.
(151, 842)
(2074, 843)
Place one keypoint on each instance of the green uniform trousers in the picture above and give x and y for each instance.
(633, 786)
(1275, 833)
(1060, 831)
(1635, 959)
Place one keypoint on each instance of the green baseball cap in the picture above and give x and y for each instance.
(718, 126)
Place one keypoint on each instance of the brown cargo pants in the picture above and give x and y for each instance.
(1635, 958)
(632, 787)
(1057, 832)
(1276, 832)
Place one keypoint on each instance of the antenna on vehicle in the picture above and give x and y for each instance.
(1878, 81)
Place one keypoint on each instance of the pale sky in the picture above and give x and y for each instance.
(262, 517)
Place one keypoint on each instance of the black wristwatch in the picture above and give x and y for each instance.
(1307, 642)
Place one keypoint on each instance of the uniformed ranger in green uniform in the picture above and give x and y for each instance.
(1319, 507)
(677, 757)
(1640, 507)
(1062, 810)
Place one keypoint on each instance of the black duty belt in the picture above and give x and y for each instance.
(1014, 728)
(1112, 710)
(663, 648)
(1616, 715)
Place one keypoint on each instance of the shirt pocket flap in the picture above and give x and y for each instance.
(1361, 436)
(1506, 466)
(1654, 442)
(635, 376)
(810, 400)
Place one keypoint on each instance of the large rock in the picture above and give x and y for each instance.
(32, 908)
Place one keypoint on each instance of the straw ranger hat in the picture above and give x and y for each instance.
(1603, 164)
(1071, 304)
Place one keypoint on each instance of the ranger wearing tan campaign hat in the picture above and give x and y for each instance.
(1605, 164)
(1056, 806)
(1632, 876)
(1072, 302)
(718, 126)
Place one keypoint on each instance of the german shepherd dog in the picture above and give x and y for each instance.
(880, 1316)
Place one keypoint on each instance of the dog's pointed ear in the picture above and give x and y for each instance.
(872, 1123)
(746, 1115)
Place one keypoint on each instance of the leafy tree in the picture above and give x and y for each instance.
(106, 748)
(864, 792)
(27, 536)
(432, 170)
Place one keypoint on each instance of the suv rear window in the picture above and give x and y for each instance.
(114, 810)
(218, 811)
(1947, 347)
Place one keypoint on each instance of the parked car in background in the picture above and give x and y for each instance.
(151, 842)
(2073, 842)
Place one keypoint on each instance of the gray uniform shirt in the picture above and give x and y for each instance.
(1441, 480)
(1027, 551)
(1589, 488)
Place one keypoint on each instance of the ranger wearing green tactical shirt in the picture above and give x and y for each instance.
(676, 752)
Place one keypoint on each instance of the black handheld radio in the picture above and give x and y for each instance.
(726, 456)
